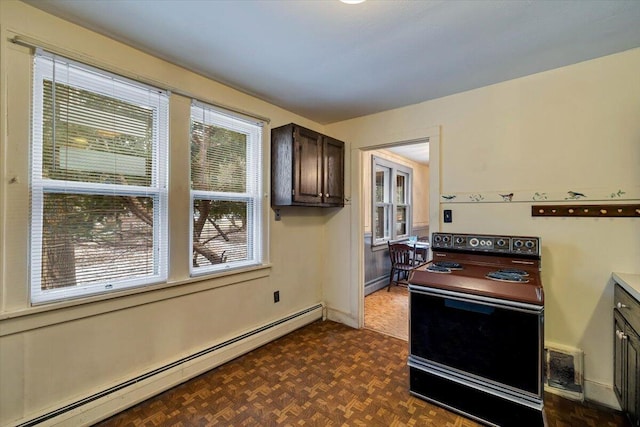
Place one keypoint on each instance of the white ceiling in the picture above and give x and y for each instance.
(418, 152)
(329, 61)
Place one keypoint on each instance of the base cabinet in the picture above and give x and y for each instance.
(626, 384)
(307, 168)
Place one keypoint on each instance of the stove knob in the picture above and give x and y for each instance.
(446, 239)
(459, 240)
(517, 243)
(474, 242)
(437, 239)
(529, 244)
(501, 242)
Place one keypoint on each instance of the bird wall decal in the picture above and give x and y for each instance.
(507, 197)
(575, 195)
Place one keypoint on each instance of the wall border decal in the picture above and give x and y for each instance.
(527, 196)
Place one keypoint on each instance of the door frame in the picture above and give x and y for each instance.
(433, 136)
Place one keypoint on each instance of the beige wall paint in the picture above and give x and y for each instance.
(571, 127)
(58, 353)
(420, 193)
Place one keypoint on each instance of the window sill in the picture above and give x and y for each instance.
(379, 247)
(58, 312)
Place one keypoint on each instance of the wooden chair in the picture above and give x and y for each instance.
(401, 256)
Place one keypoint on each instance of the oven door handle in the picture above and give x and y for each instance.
(517, 261)
(478, 299)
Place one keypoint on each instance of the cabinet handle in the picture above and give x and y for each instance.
(621, 305)
(319, 194)
(621, 335)
(327, 195)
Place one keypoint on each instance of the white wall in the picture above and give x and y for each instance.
(574, 128)
(56, 354)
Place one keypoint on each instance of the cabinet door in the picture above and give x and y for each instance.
(618, 357)
(307, 167)
(633, 366)
(333, 171)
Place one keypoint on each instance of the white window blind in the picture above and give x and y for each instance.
(226, 190)
(99, 181)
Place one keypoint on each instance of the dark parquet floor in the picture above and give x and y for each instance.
(325, 374)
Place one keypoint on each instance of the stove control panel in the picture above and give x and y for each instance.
(487, 243)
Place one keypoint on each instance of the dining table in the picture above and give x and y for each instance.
(420, 249)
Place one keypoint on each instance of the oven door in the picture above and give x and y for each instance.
(493, 340)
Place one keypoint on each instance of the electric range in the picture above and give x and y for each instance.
(477, 327)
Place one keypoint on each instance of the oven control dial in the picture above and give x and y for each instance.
(500, 242)
(459, 240)
(529, 244)
(518, 243)
(474, 242)
(445, 239)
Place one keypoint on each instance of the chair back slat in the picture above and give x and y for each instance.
(400, 254)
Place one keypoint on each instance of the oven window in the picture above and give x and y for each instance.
(496, 343)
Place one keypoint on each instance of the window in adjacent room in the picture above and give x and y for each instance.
(391, 196)
(98, 181)
(226, 190)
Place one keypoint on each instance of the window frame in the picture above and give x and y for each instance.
(390, 202)
(253, 195)
(157, 189)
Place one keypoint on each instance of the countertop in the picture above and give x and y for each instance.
(629, 282)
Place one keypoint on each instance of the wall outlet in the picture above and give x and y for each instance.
(276, 296)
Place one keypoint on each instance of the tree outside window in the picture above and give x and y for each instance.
(225, 189)
(99, 179)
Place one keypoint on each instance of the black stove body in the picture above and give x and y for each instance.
(477, 328)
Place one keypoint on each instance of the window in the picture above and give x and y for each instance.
(226, 190)
(98, 181)
(391, 210)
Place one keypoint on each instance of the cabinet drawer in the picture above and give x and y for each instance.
(630, 307)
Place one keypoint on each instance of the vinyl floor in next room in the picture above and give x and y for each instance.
(325, 374)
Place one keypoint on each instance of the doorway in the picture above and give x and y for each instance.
(395, 206)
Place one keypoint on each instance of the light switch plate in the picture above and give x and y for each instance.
(448, 215)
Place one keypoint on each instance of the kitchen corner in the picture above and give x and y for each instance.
(630, 282)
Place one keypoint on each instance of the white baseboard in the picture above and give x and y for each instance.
(110, 404)
(601, 393)
(341, 317)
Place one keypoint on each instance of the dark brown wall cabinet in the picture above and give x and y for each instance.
(626, 353)
(307, 168)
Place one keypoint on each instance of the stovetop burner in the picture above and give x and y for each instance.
(435, 268)
(514, 271)
(504, 276)
(448, 264)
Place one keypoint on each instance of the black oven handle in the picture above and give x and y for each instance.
(478, 299)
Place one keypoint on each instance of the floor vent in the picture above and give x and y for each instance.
(564, 372)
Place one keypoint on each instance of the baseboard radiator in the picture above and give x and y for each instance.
(112, 400)
(564, 371)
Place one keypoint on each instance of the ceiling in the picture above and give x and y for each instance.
(418, 152)
(330, 61)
